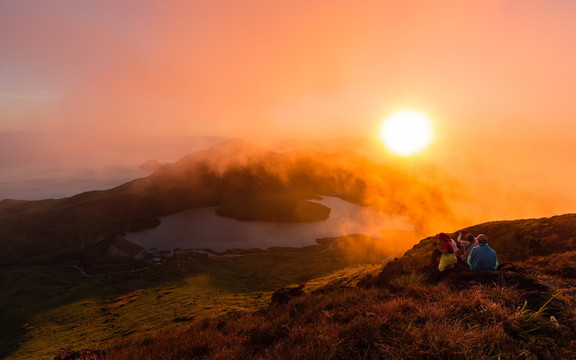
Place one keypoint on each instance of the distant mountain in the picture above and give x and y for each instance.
(225, 175)
(49, 150)
(40, 165)
(151, 165)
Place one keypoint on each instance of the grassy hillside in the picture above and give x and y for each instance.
(523, 314)
(48, 307)
(514, 241)
(195, 306)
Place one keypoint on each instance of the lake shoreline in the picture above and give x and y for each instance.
(202, 228)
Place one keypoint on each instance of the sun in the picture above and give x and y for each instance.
(406, 132)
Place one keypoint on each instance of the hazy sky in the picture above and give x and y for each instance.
(497, 77)
(301, 67)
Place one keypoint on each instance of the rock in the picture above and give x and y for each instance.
(391, 270)
(285, 295)
(496, 278)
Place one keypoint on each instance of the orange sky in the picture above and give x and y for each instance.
(497, 77)
(303, 67)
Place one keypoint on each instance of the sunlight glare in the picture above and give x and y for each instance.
(406, 132)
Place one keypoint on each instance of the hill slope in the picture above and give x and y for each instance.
(524, 314)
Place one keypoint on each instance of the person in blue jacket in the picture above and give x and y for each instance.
(482, 257)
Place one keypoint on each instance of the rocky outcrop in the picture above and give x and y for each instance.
(285, 295)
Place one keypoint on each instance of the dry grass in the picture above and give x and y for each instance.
(551, 264)
(417, 321)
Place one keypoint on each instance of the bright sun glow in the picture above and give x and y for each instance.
(406, 132)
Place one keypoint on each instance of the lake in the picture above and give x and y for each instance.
(201, 228)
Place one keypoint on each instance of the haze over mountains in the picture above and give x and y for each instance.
(39, 165)
(240, 178)
(36, 166)
(249, 182)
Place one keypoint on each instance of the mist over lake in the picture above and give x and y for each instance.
(201, 228)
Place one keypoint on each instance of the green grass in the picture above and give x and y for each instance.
(45, 308)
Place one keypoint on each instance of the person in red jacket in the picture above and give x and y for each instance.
(447, 252)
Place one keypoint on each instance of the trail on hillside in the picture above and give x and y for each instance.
(108, 273)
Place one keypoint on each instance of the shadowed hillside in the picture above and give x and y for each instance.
(527, 313)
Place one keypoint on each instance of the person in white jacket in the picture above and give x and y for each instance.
(467, 243)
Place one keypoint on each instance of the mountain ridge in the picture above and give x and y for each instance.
(218, 176)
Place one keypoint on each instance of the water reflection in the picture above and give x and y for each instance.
(202, 229)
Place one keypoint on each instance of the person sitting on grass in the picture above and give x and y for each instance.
(455, 247)
(447, 257)
(482, 257)
(467, 245)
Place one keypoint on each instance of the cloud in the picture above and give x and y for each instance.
(260, 69)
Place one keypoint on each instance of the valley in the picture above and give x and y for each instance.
(45, 308)
(70, 280)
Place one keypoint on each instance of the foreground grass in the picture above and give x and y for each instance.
(417, 321)
(199, 307)
(46, 308)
